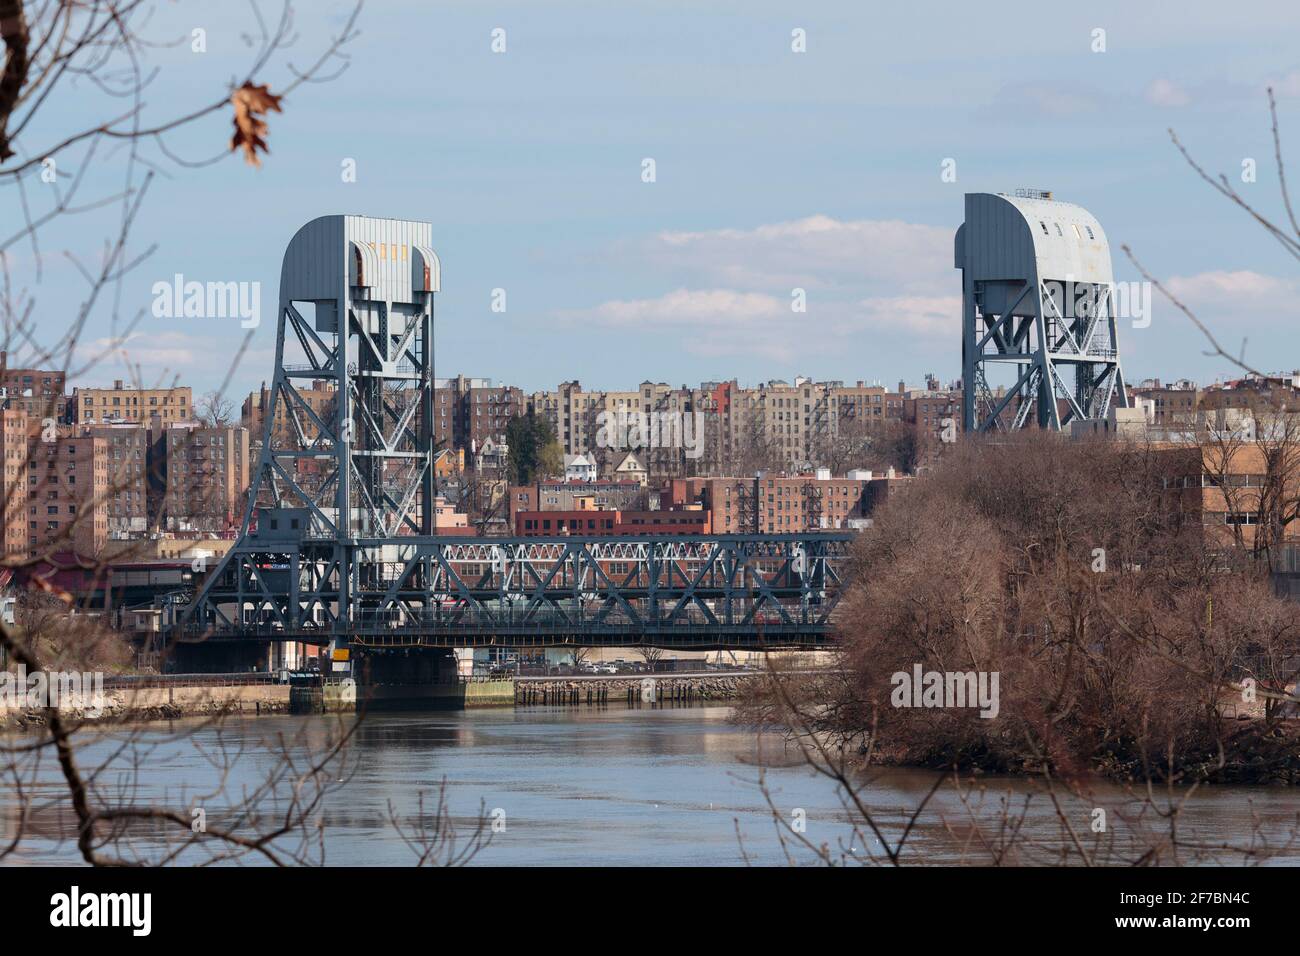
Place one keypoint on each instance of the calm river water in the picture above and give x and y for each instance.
(611, 786)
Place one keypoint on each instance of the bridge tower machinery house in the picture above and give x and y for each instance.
(1038, 314)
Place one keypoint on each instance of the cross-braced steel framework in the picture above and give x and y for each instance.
(1038, 302)
(707, 592)
(337, 544)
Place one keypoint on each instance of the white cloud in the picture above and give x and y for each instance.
(156, 353)
(1163, 92)
(724, 322)
(865, 281)
(931, 316)
(815, 252)
(717, 307)
(1242, 289)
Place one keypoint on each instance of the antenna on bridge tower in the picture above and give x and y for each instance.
(1038, 305)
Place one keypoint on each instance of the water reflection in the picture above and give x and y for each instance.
(611, 786)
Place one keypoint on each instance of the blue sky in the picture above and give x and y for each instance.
(774, 170)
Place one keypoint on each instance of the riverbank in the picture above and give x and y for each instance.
(171, 698)
(650, 688)
(160, 701)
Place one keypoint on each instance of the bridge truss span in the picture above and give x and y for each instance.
(705, 592)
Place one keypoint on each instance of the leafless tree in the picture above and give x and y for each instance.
(215, 410)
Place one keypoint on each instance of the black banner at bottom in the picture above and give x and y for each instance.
(365, 906)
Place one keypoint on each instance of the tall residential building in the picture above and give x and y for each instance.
(205, 477)
(67, 490)
(134, 477)
(469, 412)
(127, 404)
(13, 506)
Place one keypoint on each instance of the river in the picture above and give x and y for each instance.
(615, 786)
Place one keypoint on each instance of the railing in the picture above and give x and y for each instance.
(143, 681)
(473, 619)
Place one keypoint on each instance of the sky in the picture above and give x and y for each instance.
(774, 170)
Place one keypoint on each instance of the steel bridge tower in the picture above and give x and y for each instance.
(355, 313)
(1038, 305)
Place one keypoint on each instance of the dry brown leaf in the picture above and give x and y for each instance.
(251, 103)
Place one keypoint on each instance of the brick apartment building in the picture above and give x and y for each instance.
(586, 518)
(38, 393)
(67, 495)
(562, 495)
(318, 396)
(127, 404)
(13, 442)
(470, 412)
(205, 477)
(786, 504)
(133, 483)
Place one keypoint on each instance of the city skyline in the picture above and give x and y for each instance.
(820, 170)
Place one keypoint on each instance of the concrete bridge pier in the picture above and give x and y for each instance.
(416, 678)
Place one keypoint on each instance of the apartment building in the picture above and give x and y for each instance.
(809, 502)
(134, 467)
(1174, 404)
(130, 405)
(561, 495)
(587, 518)
(205, 476)
(67, 494)
(730, 501)
(787, 504)
(469, 412)
(38, 393)
(318, 397)
(13, 506)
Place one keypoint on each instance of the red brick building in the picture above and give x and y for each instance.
(588, 519)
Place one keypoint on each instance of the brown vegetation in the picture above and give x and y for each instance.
(1116, 632)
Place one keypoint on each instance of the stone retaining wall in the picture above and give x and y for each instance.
(162, 703)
